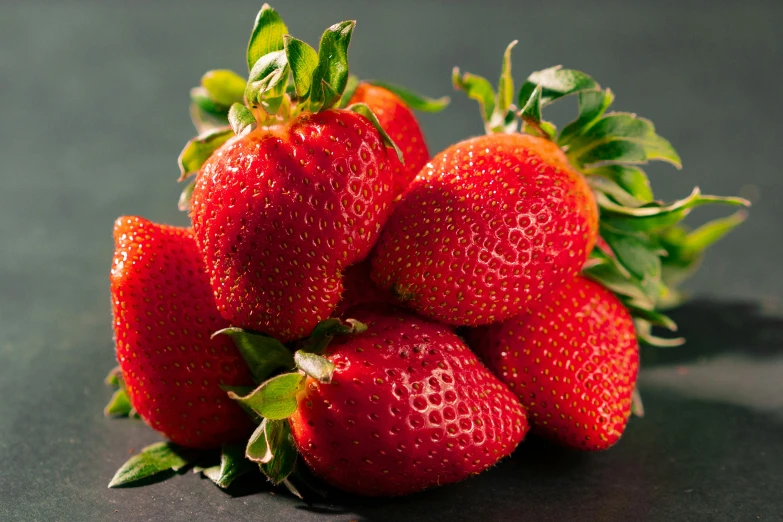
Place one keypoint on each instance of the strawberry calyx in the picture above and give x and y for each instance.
(644, 251)
(286, 78)
(275, 398)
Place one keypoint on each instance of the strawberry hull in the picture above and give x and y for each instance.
(280, 212)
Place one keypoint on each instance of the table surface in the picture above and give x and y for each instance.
(94, 114)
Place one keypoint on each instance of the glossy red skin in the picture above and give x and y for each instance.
(572, 361)
(409, 407)
(279, 213)
(400, 124)
(359, 290)
(488, 227)
(164, 315)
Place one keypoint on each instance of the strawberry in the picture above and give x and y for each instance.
(494, 223)
(299, 194)
(398, 121)
(572, 360)
(360, 290)
(401, 407)
(164, 314)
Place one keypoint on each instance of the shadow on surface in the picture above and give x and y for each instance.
(712, 328)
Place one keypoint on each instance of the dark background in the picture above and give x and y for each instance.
(94, 113)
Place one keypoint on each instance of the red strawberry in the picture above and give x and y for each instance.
(301, 193)
(164, 314)
(360, 290)
(572, 360)
(488, 227)
(408, 407)
(398, 121)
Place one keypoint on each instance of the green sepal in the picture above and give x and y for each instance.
(612, 189)
(631, 179)
(592, 105)
(326, 330)
(263, 355)
(200, 96)
(114, 378)
(556, 83)
(267, 35)
(119, 405)
(267, 82)
(637, 407)
(223, 87)
(241, 119)
(331, 74)
(609, 276)
(205, 121)
(185, 196)
(233, 465)
(653, 317)
(154, 459)
(644, 334)
(198, 150)
(303, 60)
(415, 101)
(316, 366)
(271, 446)
(477, 88)
(505, 92)
(364, 110)
(274, 398)
(635, 253)
(654, 216)
(620, 138)
(531, 116)
(348, 92)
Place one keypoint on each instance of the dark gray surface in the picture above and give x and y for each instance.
(93, 116)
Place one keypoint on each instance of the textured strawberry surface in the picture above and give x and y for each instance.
(400, 124)
(164, 314)
(358, 289)
(488, 227)
(572, 360)
(279, 213)
(409, 407)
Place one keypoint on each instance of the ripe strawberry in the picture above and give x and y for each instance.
(360, 290)
(299, 195)
(398, 121)
(164, 314)
(408, 407)
(489, 226)
(572, 360)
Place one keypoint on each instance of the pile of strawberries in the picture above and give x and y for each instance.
(348, 308)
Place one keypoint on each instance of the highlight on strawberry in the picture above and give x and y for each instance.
(347, 312)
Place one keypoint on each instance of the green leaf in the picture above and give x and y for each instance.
(348, 92)
(275, 398)
(364, 110)
(637, 408)
(615, 191)
(224, 87)
(198, 150)
(706, 235)
(263, 355)
(267, 35)
(318, 367)
(185, 196)
(267, 81)
(413, 100)
(653, 317)
(632, 180)
(654, 216)
(200, 96)
(611, 278)
(205, 121)
(476, 88)
(332, 65)
(119, 404)
(241, 119)
(621, 138)
(634, 254)
(258, 449)
(644, 334)
(505, 94)
(531, 110)
(556, 82)
(324, 332)
(303, 61)
(114, 378)
(156, 458)
(592, 105)
(281, 445)
(233, 465)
